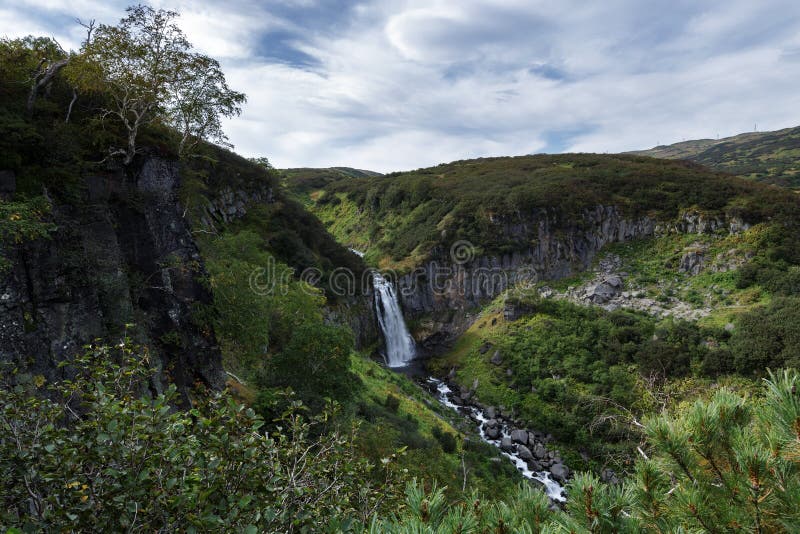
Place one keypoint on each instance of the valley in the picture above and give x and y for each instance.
(192, 340)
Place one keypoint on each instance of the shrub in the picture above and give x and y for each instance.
(446, 439)
(392, 403)
(89, 455)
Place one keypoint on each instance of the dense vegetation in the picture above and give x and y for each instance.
(403, 217)
(313, 436)
(729, 464)
(88, 454)
(770, 157)
(124, 462)
(583, 374)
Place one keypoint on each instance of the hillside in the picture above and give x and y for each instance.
(188, 344)
(402, 219)
(769, 157)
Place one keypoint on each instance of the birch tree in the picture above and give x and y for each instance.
(149, 74)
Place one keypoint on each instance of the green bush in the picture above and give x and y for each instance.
(89, 455)
(767, 337)
(392, 403)
(729, 463)
(315, 364)
(446, 439)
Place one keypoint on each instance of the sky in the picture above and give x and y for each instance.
(400, 84)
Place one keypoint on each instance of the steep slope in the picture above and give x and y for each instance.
(770, 157)
(460, 234)
(119, 253)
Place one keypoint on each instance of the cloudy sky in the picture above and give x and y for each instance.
(400, 84)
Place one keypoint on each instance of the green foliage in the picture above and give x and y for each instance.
(445, 439)
(91, 455)
(315, 364)
(576, 372)
(22, 221)
(257, 302)
(727, 464)
(392, 403)
(767, 337)
(411, 214)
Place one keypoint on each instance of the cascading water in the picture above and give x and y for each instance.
(553, 489)
(399, 343)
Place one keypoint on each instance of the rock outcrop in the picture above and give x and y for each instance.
(549, 249)
(121, 255)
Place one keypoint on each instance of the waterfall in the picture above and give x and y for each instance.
(399, 343)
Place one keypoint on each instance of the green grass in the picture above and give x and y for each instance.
(413, 426)
(771, 157)
(402, 219)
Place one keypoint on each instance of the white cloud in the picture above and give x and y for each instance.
(399, 84)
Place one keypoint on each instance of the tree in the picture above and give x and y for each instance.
(767, 337)
(198, 98)
(146, 68)
(316, 363)
(89, 455)
(32, 62)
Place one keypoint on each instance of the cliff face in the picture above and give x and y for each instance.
(443, 290)
(123, 254)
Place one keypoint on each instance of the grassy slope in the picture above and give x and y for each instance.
(771, 157)
(575, 372)
(399, 219)
(412, 424)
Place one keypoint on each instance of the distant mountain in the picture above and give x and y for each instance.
(305, 179)
(771, 157)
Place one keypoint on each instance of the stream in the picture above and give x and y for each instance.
(553, 489)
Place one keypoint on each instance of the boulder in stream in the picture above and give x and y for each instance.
(560, 472)
(519, 436)
(524, 453)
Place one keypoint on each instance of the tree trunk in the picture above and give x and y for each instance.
(43, 79)
(131, 146)
(71, 103)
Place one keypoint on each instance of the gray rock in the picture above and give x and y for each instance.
(506, 444)
(692, 261)
(524, 453)
(492, 432)
(106, 244)
(519, 436)
(540, 451)
(496, 358)
(560, 472)
(535, 466)
(603, 291)
(491, 412)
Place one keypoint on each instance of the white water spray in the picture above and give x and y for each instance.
(399, 343)
(553, 489)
